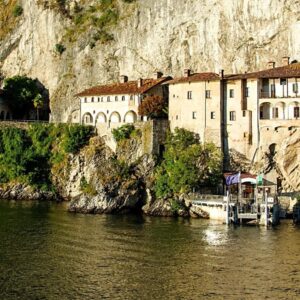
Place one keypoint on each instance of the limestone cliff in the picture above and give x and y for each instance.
(237, 35)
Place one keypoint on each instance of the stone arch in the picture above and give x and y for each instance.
(115, 117)
(265, 111)
(293, 110)
(87, 118)
(279, 111)
(101, 118)
(130, 117)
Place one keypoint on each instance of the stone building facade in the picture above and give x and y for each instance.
(245, 114)
(112, 105)
(249, 116)
(194, 104)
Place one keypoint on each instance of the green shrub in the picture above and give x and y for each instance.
(122, 133)
(76, 137)
(30, 156)
(86, 187)
(59, 48)
(17, 11)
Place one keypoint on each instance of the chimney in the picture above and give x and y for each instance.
(285, 61)
(123, 78)
(221, 74)
(139, 82)
(271, 64)
(187, 72)
(157, 75)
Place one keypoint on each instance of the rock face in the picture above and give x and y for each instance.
(280, 160)
(25, 192)
(165, 35)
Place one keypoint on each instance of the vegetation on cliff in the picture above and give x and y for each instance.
(30, 156)
(187, 164)
(10, 11)
(91, 20)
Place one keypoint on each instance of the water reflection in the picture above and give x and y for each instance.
(47, 253)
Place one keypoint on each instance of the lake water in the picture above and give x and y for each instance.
(48, 253)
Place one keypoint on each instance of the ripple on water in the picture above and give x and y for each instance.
(47, 253)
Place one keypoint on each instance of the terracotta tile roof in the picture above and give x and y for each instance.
(129, 87)
(290, 71)
(196, 77)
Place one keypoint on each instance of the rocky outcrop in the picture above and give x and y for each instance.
(20, 191)
(279, 161)
(166, 35)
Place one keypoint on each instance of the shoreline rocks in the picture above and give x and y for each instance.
(23, 192)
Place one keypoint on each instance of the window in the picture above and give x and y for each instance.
(282, 81)
(194, 115)
(296, 112)
(123, 98)
(207, 94)
(189, 95)
(101, 99)
(98, 99)
(85, 100)
(272, 90)
(231, 93)
(244, 113)
(176, 117)
(173, 95)
(92, 99)
(131, 97)
(232, 116)
(295, 88)
(108, 99)
(275, 112)
(212, 115)
(247, 92)
(116, 98)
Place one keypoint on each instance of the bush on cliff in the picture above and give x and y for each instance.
(187, 164)
(29, 156)
(122, 133)
(76, 137)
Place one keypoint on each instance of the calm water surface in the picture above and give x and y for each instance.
(47, 253)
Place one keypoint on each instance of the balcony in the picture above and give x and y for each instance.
(274, 95)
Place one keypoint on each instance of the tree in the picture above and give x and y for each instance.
(19, 93)
(38, 103)
(187, 164)
(153, 107)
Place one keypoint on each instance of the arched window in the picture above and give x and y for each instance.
(98, 99)
(130, 117)
(101, 118)
(108, 99)
(87, 118)
(101, 99)
(123, 98)
(115, 117)
(116, 98)
(92, 99)
(85, 100)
